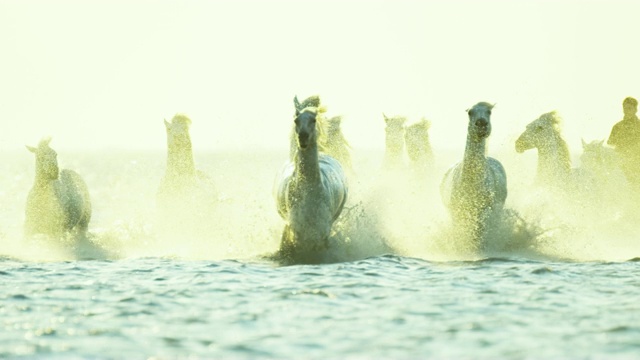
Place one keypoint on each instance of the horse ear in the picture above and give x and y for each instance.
(386, 119)
(584, 143)
(31, 149)
(601, 143)
(167, 124)
(297, 105)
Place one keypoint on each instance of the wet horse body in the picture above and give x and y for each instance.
(475, 189)
(58, 203)
(394, 142)
(419, 149)
(310, 193)
(185, 195)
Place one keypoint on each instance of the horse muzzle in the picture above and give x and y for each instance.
(303, 140)
(521, 146)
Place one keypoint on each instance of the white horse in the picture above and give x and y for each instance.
(58, 203)
(475, 189)
(419, 147)
(394, 142)
(554, 161)
(310, 193)
(185, 193)
(602, 165)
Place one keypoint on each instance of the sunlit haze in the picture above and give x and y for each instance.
(104, 74)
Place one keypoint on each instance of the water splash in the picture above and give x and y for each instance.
(393, 213)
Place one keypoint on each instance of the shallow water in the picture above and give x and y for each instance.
(558, 281)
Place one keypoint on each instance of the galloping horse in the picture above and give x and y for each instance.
(602, 166)
(554, 162)
(337, 145)
(310, 193)
(185, 195)
(419, 147)
(394, 142)
(58, 203)
(475, 189)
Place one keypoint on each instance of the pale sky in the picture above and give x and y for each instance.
(103, 74)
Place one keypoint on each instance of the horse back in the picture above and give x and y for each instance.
(75, 199)
(334, 181)
(497, 178)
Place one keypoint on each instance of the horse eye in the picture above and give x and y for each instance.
(296, 121)
(489, 112)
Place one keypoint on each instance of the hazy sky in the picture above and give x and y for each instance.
(104, 74)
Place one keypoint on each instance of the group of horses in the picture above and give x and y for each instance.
(312, 188)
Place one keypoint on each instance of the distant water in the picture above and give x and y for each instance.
(560, 279)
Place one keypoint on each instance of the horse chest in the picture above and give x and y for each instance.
(45, 211)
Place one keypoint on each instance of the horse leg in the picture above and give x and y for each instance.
(287, 246)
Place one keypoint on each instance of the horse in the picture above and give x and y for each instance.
(310, 193)
(475, 189)
(394, 142)
(419, 147)
(603, 166)
(58, 203)
(337, 145)
(331, 140)
(554, 161)
(185, 193)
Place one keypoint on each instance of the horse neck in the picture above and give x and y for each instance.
(553, 158)
(474, 161)
(42, 180)
(394, 146)
(307, 166)
(180, 160)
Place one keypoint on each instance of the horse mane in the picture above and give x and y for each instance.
(44, 142)
(395, 120)
(482, 104)
(552, 118)
(423, 124)
(311, 101)
(182, 119)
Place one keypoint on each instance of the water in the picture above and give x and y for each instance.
(558, 281)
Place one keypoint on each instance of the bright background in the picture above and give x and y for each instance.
(103, 74)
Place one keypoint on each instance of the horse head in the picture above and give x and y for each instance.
(594, 154)
(395, 131)
(46, 159)
(178, 131)
(305, 127)
(480, 120)
(539, 132)
(417, 138)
